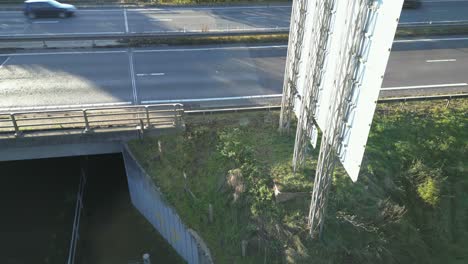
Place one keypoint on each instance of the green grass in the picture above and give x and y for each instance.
(273, 38)
(410, 204)
(431, 31)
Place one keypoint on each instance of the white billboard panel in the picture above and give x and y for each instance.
(374, 52)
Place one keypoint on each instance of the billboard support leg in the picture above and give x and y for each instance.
(322, 182)
(293, 58)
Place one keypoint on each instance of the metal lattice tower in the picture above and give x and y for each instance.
(296, 38)
(316, 60)
(352, 56)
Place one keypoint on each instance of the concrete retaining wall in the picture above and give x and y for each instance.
(147, 198)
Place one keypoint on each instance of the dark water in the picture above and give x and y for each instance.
(37, 202)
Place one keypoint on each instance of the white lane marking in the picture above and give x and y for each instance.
(142, 51)
(151, 74)
(428, 40)
(45, 22)
(4, 62)
(126, 20)
(132, 75)
(210, 8)
(64, 53)
(162, 19)
(212, 99)
(214, 48)
(52, 107)
(447, 60)
(425, 86)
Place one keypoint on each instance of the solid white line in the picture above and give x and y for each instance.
(447, 60)
(126, 20)
(51, 107)
(210, 49)
(209, 8)
(428, 40)
(45, 22)
(425, 86)
(132, 75)
(143, 51)
(4, 62)
(64, 53)
(151, 74)
(212, 99)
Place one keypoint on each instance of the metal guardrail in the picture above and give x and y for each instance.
(422, 98)
(92, 120)
(219, 110)
(155, 35)
(193, 33)
(133, 117)
(432, 24)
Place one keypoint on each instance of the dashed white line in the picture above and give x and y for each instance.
(425, 86)
(447, 60)
(126, 20)
(151, 74)
(132, 75)
(4, 62)
(212, 99)
(45, 22)
(162, 19)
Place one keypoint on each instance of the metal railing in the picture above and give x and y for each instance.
(172, 34)
(92, 119)
(134, 117)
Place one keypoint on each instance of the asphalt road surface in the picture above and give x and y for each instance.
(139, 76)
(157, 20)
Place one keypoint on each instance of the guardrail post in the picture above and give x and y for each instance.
(44, 45)
(15, 125)
(85, 117)
(141, 129)
(177, 116)
(148, 122)
(146, 258)
(176, 122)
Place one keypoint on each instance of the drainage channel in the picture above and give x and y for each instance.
(75, 211)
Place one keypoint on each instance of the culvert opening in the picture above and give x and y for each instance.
(38, 199)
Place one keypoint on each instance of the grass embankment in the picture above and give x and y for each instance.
(274, 38)
(410, 204)
(428, 31)
(405, 32)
